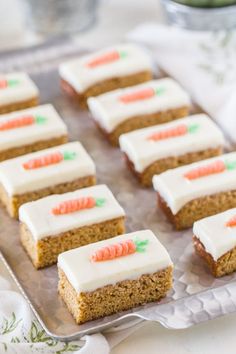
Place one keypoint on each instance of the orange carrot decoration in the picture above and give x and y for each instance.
(231, 222)
(217, 166)
(120, 249)
(141, 94)
(49, 159)
(181, 129)
(22, 122)
(8, 83)
(105, 59)
(71, 206)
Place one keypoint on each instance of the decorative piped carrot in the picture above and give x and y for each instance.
(120, 249)
(179, 130)
(206, 170)
(49, 159)
(21, 122)
(142, 94)
(231, 222)
(71, 206)
(105, 59)
(217, 166)
(8, 83)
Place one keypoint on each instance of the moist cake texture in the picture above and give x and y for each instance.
(17, 91)
(57, 223)
(192, 192)
(30, 130)
(116, 275)
(56, 170)
(156, 149)
(215, 242)
(140, 106)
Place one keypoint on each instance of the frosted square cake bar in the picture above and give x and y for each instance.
(153, 150)
(30, 130)
(215, 242)
(54, 224)
(17, 91)
(192, 192)
(57, 170)
(114, 275)
(108, 69)
(151, 103)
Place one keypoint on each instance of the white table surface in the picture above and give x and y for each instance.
(117, 17)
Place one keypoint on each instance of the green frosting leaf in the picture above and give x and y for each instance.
(69, 155)
(141, 245)
(123, 54)
(100, 202)
(193, 128)
(13, 82)
(230, 165)
(159, 91)
(40, 119)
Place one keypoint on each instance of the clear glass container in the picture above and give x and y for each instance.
(59, 17)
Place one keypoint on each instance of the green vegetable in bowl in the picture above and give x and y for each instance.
(207, 3)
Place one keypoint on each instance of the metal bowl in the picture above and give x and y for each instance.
(200, 19)
(58, 17)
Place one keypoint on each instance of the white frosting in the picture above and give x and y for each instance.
(81, 77)
(85, 275)
(109, 111)
(53, 127)
(42, 222)
(25, 90)
(16, 180)
(216, 237)
(177, 190)
(143, 152)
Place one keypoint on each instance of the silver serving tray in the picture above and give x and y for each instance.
(196, 295)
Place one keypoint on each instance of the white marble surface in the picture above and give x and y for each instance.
(116, 17)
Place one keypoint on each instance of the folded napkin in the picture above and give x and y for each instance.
(203, 62)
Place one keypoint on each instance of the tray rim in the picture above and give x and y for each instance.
(183, 320)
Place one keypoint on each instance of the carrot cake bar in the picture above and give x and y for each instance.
(57, 170)
(151, 103)
(114, 275)
(17, 91)
(215, 241)
(55, 224)
(30, 130)
(153, 150)
(189, 193)
(108, 69)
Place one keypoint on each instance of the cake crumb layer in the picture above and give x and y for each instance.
(125, 295)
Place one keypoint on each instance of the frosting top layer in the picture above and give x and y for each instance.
(215, 235)
(113, 108)
(86, 275)
(177, 189)
(195, 133)
(117, 61)
(41, 123)
(16, 87)
(17, 179)
(42, 222)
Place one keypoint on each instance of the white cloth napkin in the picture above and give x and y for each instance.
(203, 62)
(20, 332)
